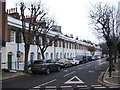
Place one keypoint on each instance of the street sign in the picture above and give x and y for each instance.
(74, 80)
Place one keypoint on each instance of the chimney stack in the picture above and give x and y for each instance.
(2, 21)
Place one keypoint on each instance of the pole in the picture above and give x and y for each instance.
(54, 51)
(18, 52)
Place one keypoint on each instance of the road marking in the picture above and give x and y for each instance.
(37, 87)
(114, 86)
(65, 70)
(82, 86)
(46, 83)
(50, 87)
(69, 73)
(95, 85)
(66, 86)
(80, 68)
(99, 87)
(91, 71)
(72, 81)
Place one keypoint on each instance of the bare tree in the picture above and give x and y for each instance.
(42, 39)
(103, 17)
(41, 26)
(36, 22)
(92, 50)
(26, 36)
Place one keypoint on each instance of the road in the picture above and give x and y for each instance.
(83, 76)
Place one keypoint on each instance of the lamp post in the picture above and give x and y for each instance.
(18, 51)
(18, 55)
(75, 49)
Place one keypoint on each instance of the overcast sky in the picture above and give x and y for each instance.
(71, 15)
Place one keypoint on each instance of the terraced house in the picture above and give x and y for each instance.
(65, 47)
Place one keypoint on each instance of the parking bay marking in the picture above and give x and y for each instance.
(74, 80)
(45, 83)
(69, 73)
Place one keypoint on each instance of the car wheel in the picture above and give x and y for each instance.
(47, 71)
(33, 73)
(65, 66)
(58, 69)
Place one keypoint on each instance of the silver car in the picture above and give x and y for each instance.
(64, 63)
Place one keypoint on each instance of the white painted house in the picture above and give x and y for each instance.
(66, 47)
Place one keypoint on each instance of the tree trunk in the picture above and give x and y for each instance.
(26, 58)
(110, 62)
(43, 57)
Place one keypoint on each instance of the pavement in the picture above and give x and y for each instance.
(114, 80)
(11, 74)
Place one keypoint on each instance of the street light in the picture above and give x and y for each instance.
(18, 51)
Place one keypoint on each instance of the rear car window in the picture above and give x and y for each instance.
(38, 62)
(69, 58)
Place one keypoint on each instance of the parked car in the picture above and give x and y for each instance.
(44, 66)
(82, 59)
(64, 62)
(74, 61)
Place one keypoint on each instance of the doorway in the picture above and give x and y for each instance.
(10, 60)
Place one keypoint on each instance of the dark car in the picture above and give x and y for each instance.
(44, 66)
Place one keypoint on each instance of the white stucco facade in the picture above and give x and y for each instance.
(9, 52)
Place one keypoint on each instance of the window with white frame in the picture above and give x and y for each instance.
(12, 36)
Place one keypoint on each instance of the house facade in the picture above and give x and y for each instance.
(13, 53)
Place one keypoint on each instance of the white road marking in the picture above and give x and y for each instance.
(69, 73)
(96, 85)
(66, 86)
(46, 83)
(74, 82)
(99, 87)
(37, 87)
(65, 70)
(92, 71)
(50, 87)
(114, 86)
(82, 86)
(80, 68)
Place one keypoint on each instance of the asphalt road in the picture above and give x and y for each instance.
(83, 76)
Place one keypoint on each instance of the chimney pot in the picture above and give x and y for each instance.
(13, 10)
(16, 9)
(9, 11)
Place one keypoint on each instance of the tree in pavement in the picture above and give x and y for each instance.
(104, 19)
(45, 41)
(37, 25)
(92, 50)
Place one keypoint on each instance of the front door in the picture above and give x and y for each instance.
(9, 62)
(31, 58)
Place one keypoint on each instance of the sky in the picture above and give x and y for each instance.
(71, 15)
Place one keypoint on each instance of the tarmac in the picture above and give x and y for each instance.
(113, 81)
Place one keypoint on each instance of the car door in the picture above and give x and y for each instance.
(50, 64)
